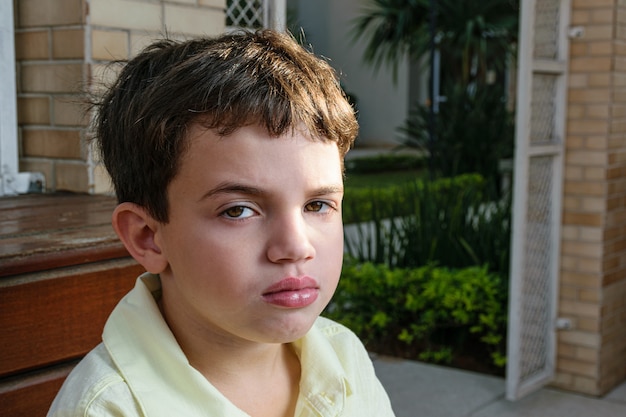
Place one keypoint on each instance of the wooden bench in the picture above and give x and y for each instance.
(62, 270)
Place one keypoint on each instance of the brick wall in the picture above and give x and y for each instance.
(592, 355)
(62, 49)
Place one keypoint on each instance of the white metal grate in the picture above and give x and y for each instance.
(535, 311)
(540, 128)
(249, 14)
(547, 29)
(543, 108)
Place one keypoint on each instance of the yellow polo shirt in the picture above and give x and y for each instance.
(140, 370)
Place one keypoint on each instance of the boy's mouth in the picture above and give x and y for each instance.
(292, 292)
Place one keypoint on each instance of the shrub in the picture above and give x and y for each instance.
(456, 222)
(385, 163)
(427, 313)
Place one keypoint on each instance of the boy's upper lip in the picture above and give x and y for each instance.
(292, 284)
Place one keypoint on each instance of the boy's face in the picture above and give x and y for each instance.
(255, 239)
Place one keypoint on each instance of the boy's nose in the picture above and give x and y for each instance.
(289, 240)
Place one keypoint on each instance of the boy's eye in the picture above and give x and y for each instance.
(238, 212)
(317, 206)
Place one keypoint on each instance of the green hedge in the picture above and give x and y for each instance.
(428, 313)
(454, 222)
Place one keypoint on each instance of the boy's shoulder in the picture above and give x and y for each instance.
(94, 388)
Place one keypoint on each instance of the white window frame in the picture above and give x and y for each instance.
(12, 181)
(9, 157)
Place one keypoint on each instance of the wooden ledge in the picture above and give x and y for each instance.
(45, 231)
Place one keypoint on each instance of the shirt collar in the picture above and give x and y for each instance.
(159, 373)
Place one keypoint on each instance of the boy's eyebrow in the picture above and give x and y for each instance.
(231, 188)
(237, 188)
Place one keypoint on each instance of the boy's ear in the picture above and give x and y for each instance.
(137, 229)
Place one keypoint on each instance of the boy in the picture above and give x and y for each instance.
(226, 156)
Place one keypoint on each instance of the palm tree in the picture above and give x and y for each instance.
(475, 40)
(473, 36)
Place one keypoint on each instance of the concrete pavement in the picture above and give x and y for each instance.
(423, 390)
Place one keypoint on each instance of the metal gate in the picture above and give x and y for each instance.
(540, 130)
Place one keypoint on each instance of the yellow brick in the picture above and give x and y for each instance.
(578, 367)
(52, 78)
(579, 309)
(32, 45)
(591, 4)
(109, 44)
(593, 204)
(573, 172)
(598, 111)
(596, 142)
(72, 177)
(33, 110)
(68, 43)
(572, 203)
(597, 32)
(578, 48)
(566, 351)
(579, 338)
(220, 4)
(102, 181)
(588, 126)
(568, 292)
(585, 188)
(591, 95)
(618, 110)
(194, 21)
(601, 79)
(611, 261)
(600, 48)
(582, 219)
(619, 63)
(52, 143)
(618, 126)
(569, 263)
(591, 234)
(576, 111)
(574, 142)
(103, 75)
(137, 15)
(595, 173)
(590, 265)
(588, 64)
(585, 280)
(587, 158)
(619, 80)
(588, 324)
(585, 385)
(49, 12)
(69, 111)
(580, 17)
(603, 16)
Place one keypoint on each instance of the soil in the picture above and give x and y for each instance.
(472, 357)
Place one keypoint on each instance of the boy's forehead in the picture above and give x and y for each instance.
(200, 131)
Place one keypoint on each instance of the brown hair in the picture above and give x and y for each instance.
(224, 83)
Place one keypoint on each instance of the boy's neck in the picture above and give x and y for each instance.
(262, 379)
